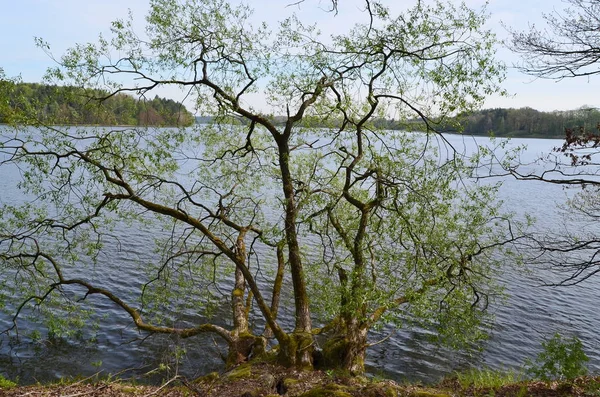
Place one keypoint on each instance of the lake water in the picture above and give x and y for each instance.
(530, 314)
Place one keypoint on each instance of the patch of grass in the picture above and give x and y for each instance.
(428, 393)
(289, 383)
(241, 372)
(330, 390)
(486, 378)
(590, 386)
(6, 383)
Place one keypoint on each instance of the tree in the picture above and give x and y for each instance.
(396, 231)
(11, 110)
(569, 47)
(5, 87)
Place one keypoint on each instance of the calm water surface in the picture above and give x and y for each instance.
(530, 314)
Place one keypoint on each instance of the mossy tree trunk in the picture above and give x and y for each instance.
(242, 347)
(346, 348)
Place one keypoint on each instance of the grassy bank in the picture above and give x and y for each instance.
(263, 379)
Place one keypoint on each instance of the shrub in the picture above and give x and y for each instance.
(560, 358)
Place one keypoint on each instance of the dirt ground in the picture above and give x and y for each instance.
(261, 380)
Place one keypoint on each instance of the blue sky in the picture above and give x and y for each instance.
(63, 23)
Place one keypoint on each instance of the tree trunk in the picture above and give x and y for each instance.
(238, 303)
(346, 348)
(303, 321)
(298, 350)
(242, 344)
(277, 285)
(243, 347)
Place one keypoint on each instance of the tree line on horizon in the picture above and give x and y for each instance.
(523, 122)
(68, 105)
(73, 105)
(528, 122)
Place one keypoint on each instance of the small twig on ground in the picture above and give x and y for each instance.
(93, 391)
(163, 386)
(84, 379)
(193, 388)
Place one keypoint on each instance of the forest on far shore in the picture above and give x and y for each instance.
(72, 105)
(516, 123)
(529, 123)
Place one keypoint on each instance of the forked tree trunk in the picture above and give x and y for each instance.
(346, 349)
(297, 350)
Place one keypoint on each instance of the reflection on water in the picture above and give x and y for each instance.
(530, 314)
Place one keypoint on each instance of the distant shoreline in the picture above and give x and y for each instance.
(533, 136)
(104, 125)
